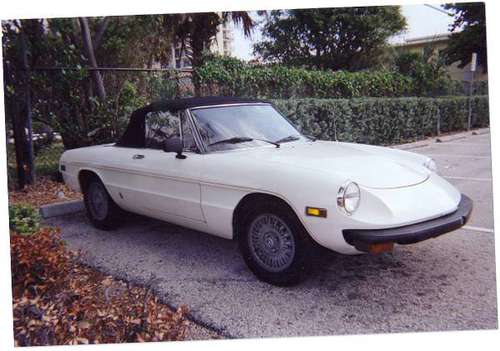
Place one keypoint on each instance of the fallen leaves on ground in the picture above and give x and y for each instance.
(43, 192)
(57, 300)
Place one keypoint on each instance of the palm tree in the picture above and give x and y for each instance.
(197, 31)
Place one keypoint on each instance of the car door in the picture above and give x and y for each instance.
(157, 183)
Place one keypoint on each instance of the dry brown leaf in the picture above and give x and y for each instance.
(82, 340)
(45, 191)
(70, 308)
(83, 325)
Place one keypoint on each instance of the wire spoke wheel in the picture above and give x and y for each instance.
(271, 242)
(98, 202)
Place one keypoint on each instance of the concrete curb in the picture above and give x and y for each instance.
(61, 208)
(441, 139)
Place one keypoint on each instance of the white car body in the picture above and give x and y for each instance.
(202, 191)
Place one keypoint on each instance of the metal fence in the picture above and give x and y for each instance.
(64, 99)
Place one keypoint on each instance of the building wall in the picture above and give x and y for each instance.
(223, 43)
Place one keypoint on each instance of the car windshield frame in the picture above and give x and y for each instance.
(205, 147)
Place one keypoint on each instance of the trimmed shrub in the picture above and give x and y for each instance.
(233, 77)
(463, 87)
(230, 76)
(383, 121)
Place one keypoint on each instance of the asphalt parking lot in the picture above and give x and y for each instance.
(447, 283)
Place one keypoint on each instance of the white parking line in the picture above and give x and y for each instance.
(478, 229)
(469, 178)
(458, 143)
(448, 155)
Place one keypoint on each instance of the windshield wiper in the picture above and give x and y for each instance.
(270, 142)
(287, 139)
(233, 140)
(236, 140)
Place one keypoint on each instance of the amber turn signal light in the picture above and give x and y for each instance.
(316, 212)
(380, 248)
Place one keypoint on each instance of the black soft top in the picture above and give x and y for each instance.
(134, 135)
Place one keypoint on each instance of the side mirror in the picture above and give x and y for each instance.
(174, 144)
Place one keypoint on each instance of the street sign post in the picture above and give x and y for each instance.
(473, 67)
(473, 62)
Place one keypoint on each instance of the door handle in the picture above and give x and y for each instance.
(138, 157)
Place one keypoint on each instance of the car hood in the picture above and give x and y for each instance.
(365, 165)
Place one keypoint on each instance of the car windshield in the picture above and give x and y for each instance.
(230, 127)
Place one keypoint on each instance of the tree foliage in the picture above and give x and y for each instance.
(198, 30)
(427, 71)
(350, 38)
(67, 99)
(470, 17)
(88, 106)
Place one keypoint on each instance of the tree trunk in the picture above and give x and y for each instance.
(196, 61)
(12, 110)
(100, 33)
(20, 145)
(13, 77)
(89, 51)
(28, 143)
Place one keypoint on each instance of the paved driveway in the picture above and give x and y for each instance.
(447, 283)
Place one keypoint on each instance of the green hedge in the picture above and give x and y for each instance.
(230, 76)
(233, 77)
(461, 88)
(383, 121)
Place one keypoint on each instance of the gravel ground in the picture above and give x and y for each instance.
(447, 283)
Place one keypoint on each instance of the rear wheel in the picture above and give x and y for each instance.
(101, 209)
(275, 245)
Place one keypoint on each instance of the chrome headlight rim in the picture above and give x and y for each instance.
(345, 193)
(431, 165)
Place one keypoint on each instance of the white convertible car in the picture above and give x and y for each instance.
(238, 169)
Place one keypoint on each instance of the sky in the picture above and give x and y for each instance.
(422, 21)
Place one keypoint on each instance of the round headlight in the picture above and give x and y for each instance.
(348, 197)
(430, 164)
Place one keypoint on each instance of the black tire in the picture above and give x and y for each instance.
(108, 217)
(297, 263)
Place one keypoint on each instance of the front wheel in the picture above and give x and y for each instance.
(101, 209)
(275, 245)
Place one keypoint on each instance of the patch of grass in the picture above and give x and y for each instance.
(46, 162)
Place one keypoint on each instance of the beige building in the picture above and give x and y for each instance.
(223, 43)
(437, 43)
